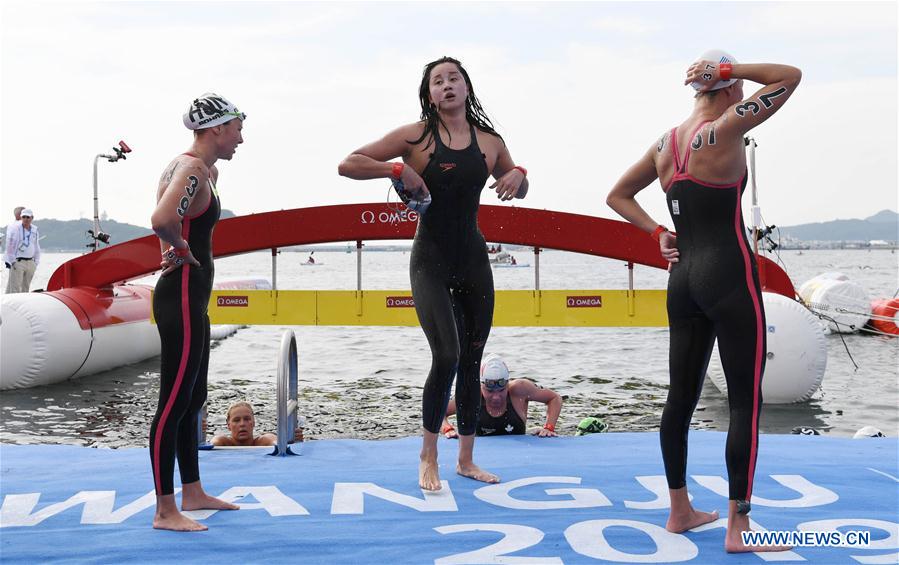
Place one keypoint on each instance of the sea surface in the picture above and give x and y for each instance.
(366, 382)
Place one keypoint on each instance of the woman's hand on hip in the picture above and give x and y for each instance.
(171, 261)
(668, 247)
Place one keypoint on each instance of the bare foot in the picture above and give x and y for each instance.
(177, 522)
(733, 543)
(737, 523)
(205, 502)
(472, 471)
(428, 474)
(687, 521)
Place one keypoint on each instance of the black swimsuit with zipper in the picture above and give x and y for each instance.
(452, 283)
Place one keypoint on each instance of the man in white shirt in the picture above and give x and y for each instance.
(22, 252)
(17, 212)
(14, 225)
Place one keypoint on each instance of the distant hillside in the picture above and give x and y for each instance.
(882, 225)
(71, 235)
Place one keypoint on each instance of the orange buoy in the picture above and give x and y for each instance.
(885, 315)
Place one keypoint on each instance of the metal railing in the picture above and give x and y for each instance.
(287, 393)
(286, 399)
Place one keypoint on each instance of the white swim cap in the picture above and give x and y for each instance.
(210, 110)
(868, 431)
(717, 56)
(493, 368)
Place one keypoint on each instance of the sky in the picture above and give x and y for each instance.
(578, 91)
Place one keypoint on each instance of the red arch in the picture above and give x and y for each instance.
(349, 222)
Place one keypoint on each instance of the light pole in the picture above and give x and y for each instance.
(96, 234)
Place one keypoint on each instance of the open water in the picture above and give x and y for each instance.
(366, 382)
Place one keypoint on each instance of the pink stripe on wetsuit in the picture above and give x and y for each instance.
(180, 301)
(713, 292)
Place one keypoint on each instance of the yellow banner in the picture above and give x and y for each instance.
(549, 308)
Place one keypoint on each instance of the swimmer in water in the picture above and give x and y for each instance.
(505, 401)
(241, 423)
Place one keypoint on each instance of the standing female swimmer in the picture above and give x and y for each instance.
(714, 288)
(186, 212)
(448, 155)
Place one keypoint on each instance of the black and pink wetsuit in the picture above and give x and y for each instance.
(713, 291)
(180, 302)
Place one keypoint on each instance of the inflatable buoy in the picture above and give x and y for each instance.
(49, 337)
(810, 286)
(843, 305)
(797, 353)
(223, 331)
(885, 315)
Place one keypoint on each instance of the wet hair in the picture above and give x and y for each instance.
(474, 112)
(240, 404)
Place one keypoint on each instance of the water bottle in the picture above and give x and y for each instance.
(412, 203)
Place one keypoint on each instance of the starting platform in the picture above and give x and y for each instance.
(591, 499)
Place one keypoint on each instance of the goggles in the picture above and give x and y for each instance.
(495, 384)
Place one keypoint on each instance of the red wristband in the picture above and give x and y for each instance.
(447, 428)
(397, 171)
(724, 70)
(550, 427)
(522, 169)
(657, 233)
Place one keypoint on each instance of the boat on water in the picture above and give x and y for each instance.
(311, 261)
(504, 259)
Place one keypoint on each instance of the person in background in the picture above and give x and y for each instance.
(14, 225)
(22, 252)
(504, 403)
(17, 214)
(241, 423)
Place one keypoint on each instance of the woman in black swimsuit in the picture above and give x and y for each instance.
(185, 216)
(448, 155)
(713, 290)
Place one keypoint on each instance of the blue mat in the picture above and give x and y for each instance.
(564, 500)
